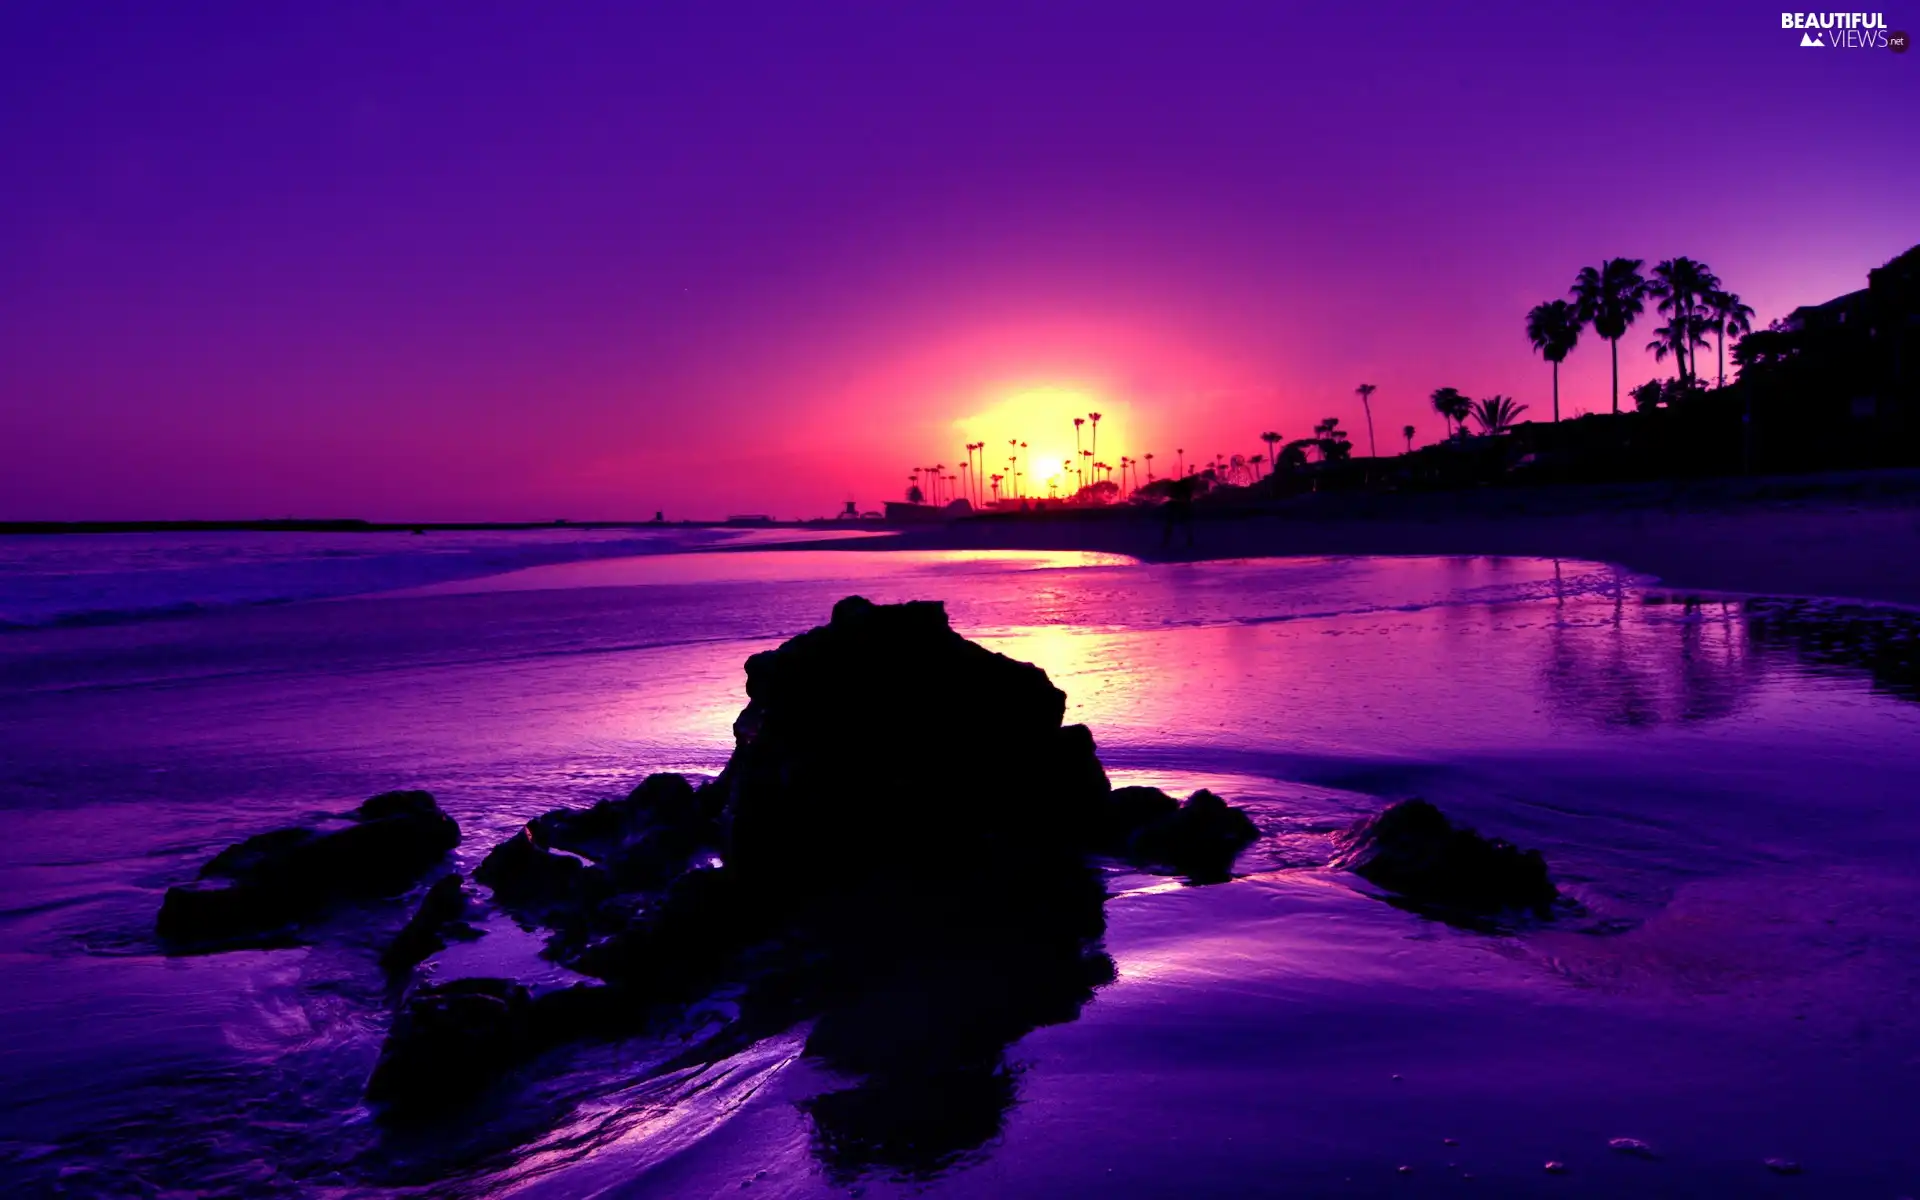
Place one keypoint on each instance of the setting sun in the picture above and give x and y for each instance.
(1043, 416)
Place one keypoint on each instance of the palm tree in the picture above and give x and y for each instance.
(1272, 440)
(1610, 298)
(1682, 286)
(996, 488)
(1180, 463)
(1553, 328)
(1497, 414)
(1149, 461)
(1094, 444)
(1452, 405)
(1406, 431)
(1365, 391)
(1728, 316)
(1077, 423)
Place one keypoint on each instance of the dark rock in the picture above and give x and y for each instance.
(660, 801)
(1201, 838)
(577, 857)
(276, 879)
(1127, 810)
(451, 1040)
(426, 933)
(1412, 849)
(524, 874)
(835, 782)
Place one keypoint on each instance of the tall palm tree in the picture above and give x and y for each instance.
(1406, 431)
(1094, 444)
(1553, 328)
(1452, 405)
(1180, 463)
(1365, 391)
(1610, 298)
(1681, 285)
(1497, 414)
(996, 488)
(1077, 423)
(1728, 316)
(1149, 461)
(1272, 440)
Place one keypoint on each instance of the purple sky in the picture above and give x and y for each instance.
(557, 259)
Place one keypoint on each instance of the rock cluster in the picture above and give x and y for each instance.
(914, 876)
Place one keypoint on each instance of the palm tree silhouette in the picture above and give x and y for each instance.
(996, 488)
(1406, 431)
(1610, 298)
(1094, 444)
(1272, 440)
(1077, 423)
(1553, 328)
(1149, 461)
(1682, 286)
(1497, 414)
(1365, 391)
(1180, 462)
(1728, 316)
(1452, 405)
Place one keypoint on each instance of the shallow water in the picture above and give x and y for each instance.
(1727, 790)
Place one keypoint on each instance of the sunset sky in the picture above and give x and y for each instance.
(536, 260)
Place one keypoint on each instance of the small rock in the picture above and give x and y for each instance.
(1783, 1166)
(1412, 849)
(426, 933)
(1633, 1146)
(279, 878)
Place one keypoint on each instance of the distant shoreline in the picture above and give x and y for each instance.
(1852, 536)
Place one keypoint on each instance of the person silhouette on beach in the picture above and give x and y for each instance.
(1178, 510)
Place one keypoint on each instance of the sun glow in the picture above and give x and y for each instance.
(1042, 416)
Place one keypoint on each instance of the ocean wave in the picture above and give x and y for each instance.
(105, 579)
